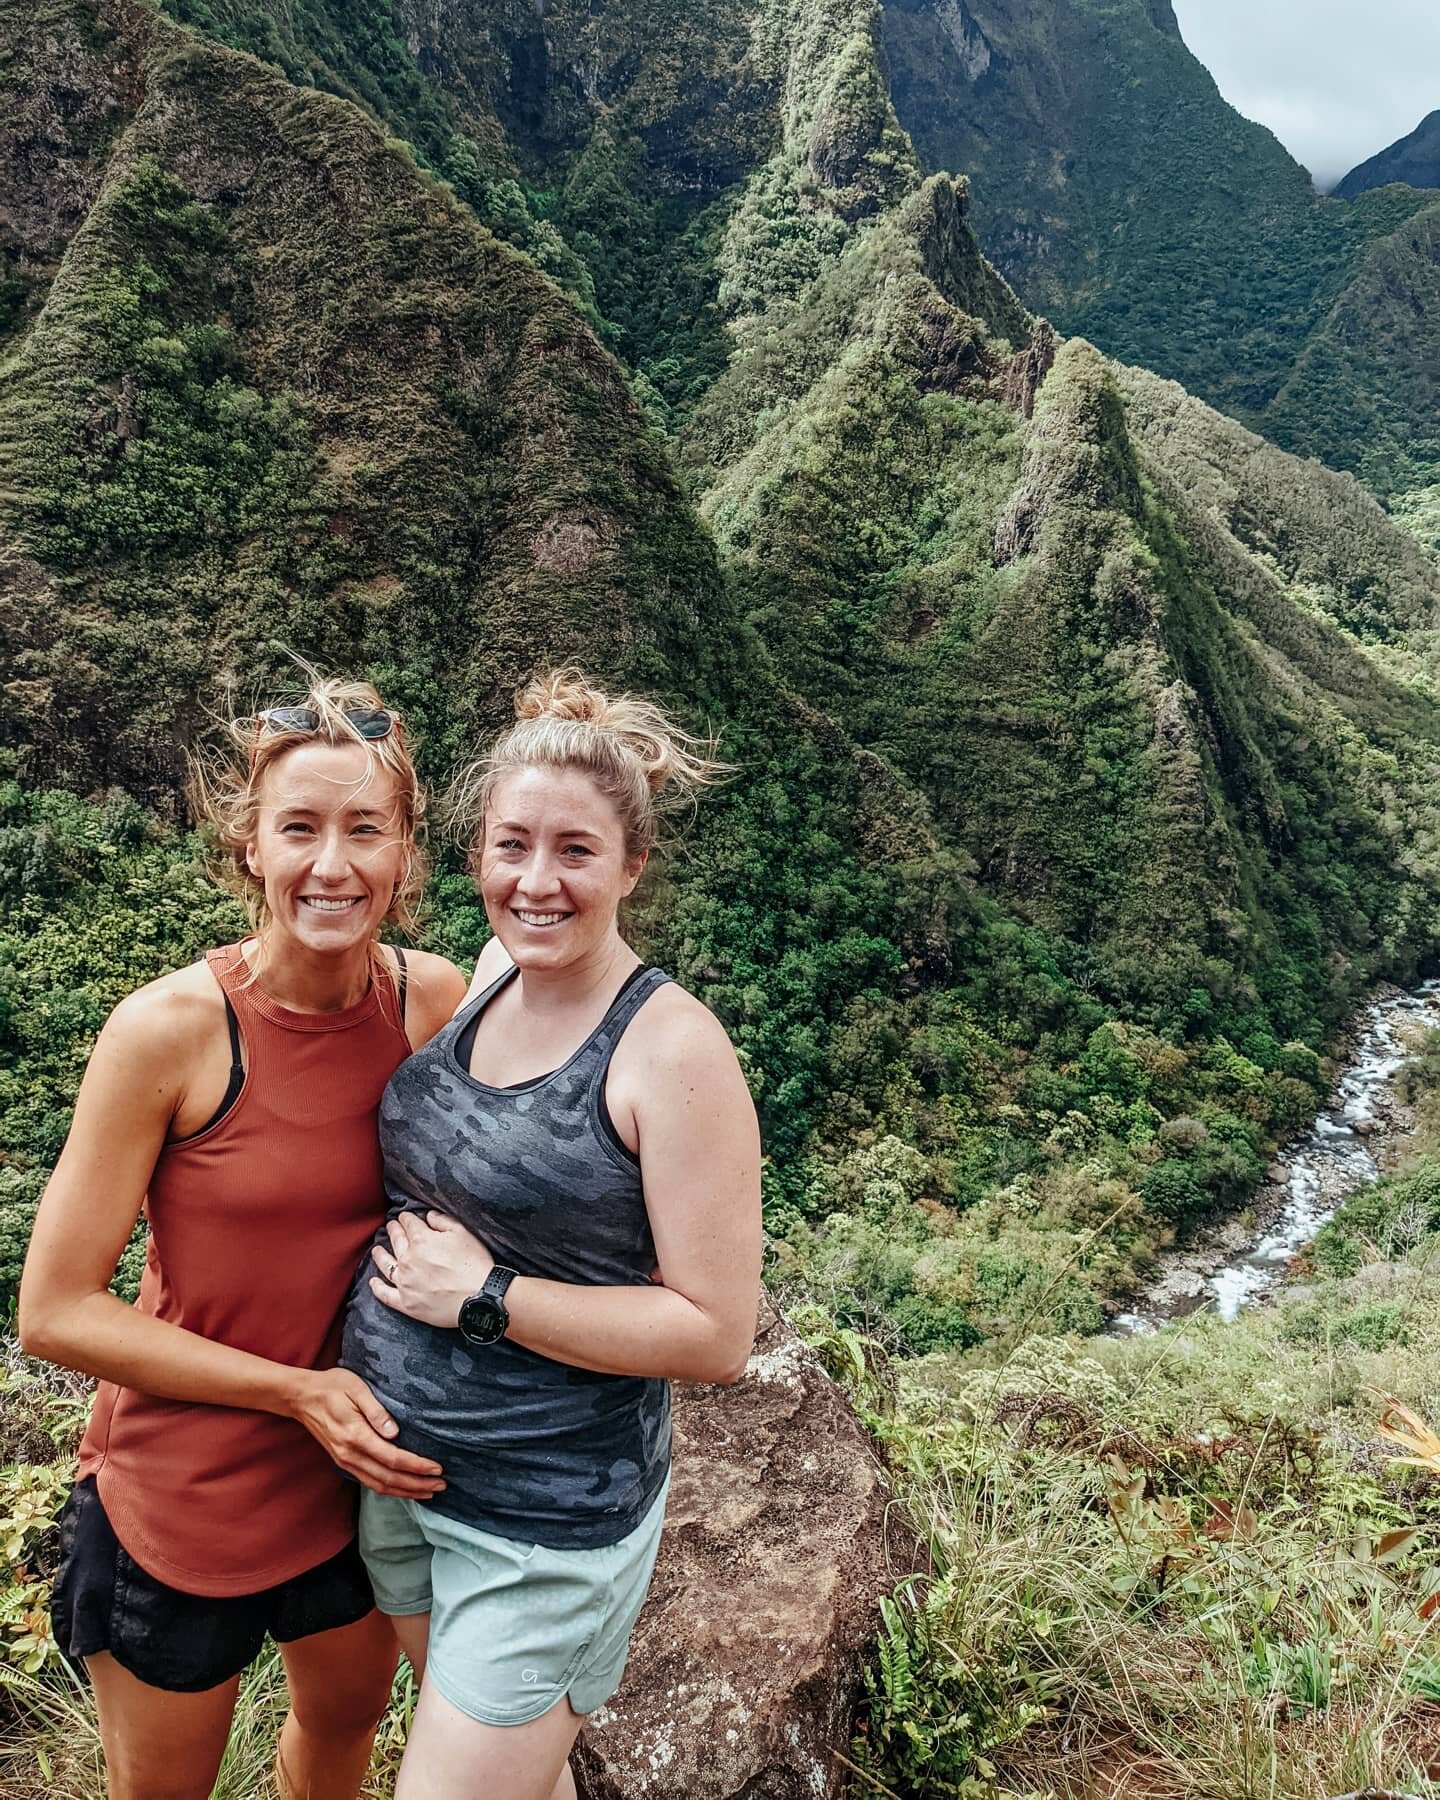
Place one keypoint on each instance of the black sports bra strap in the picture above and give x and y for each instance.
(237, 1060)
(404, 981)
(237, 1075)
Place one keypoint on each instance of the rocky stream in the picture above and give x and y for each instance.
(1237, 1264)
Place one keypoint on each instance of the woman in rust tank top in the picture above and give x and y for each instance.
(235, 1103)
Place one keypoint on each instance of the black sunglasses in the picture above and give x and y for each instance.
(370, 722)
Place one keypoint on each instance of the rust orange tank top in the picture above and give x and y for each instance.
(257, 1225)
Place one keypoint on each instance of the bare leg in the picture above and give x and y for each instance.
(339, 1685)
(158, 1745)
(413, 1631)
(452, 1757)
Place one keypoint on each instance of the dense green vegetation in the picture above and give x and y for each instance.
(612, 143)
(1128, 200)
(341, 418)
(1184, 1565)
(1084, 756)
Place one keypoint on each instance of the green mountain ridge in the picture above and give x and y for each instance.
(263, 431)
(1413, 160)
(1124, 197)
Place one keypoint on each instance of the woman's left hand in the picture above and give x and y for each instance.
(432, 1267)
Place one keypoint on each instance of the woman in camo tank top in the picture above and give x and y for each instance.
(573, 1174)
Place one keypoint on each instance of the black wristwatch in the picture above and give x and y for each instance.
(483, 1317)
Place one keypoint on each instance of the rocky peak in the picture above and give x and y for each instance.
(972, 47)
(1413, 160)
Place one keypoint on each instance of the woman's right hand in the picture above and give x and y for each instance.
(341, 1413)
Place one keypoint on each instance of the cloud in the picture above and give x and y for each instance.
(1333, 82)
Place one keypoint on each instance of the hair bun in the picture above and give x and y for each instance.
(563, 694)
(636, 753)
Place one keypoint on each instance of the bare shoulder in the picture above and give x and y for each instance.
(171, 1017)
(433, 974)
(434, 988)
(492, 962)
(151, 1046)
(676, 1081)
(677, 1033)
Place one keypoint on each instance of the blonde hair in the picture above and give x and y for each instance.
(224, 792)
(638, 757)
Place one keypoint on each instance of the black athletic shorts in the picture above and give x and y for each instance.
(104, 1600)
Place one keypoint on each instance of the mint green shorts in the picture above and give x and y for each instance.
(513, 1627)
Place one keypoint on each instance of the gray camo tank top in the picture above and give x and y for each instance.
(532, 1449)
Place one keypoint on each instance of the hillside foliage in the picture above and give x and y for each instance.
(1084, 739)
(1128, 200)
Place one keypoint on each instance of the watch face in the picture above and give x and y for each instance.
(483, 1320)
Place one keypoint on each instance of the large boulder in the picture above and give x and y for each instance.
(745, 1664)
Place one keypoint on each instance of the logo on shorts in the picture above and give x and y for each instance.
(529, 1676)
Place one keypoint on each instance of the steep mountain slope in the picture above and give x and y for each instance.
(1085, 741)
(1364, 393)
(1112, 184)
(1124, 197)
(283, 386)
(599, 140)
(848, 375)
(1413, 160)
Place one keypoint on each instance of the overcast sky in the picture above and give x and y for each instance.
(1334, 81)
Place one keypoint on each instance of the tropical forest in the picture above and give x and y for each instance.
(993, 439)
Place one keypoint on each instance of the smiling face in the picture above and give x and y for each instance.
(328, 845)
(553, 868)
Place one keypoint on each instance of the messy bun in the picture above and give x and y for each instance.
(643, 762)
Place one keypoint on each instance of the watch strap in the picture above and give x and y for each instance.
(497, 1283)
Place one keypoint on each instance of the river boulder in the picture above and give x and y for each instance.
(745, 1665)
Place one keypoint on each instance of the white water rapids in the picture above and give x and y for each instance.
(1327, 1165)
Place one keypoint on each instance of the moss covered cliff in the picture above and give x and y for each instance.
(1127, 199)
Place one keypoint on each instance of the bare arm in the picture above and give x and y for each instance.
(700, 1163)
(132, 1087)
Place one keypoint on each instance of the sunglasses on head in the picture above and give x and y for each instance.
(366, 721)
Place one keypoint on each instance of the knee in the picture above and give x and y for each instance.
(137, 1769)
(125, 1780)
(341, 1716)
(348, 1711)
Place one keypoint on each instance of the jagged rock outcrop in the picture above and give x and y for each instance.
(745, 1663)
(1028, 368)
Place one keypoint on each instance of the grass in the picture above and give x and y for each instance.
(1181, 1568)
(1185, 1567)
(1190, 1567)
